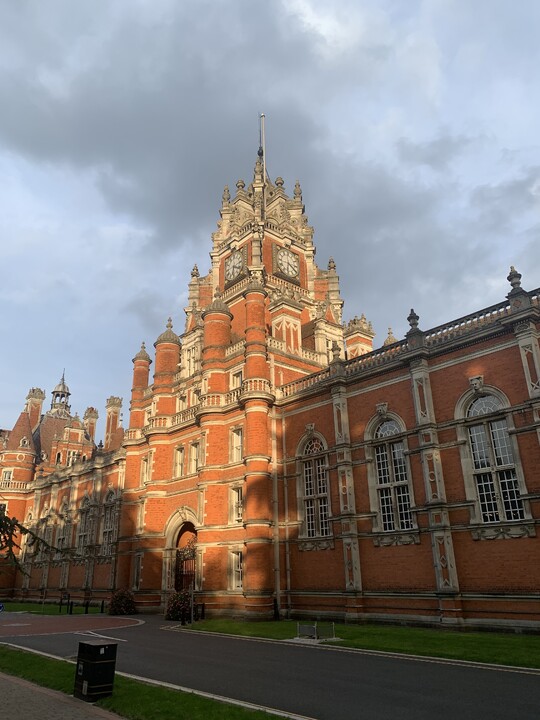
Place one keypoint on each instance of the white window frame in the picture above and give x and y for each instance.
(491, 504)
(237, 569)
(237, 378)
(84, 528)
(314, 489)
(390, 481)
(236, 504)
(237, 445)
(146, 468)
(179, 460)
(194, 457)
(108, 533)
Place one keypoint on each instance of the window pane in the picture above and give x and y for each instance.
(501, 443)
(323, 516)
(313, 447)
(387, 512)
(400, 470)
(487, 498)
(383, 470)
(320, 470)
(310, 517)
(479, 447)
(308, 478)
(512, 503)
(387, 428)
(404, 507)
(483, 406)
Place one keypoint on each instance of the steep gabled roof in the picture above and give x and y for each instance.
(21, 430)
(48, 428)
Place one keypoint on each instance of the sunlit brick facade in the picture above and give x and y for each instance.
(309, 473)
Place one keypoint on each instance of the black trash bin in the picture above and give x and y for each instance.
(94, 673)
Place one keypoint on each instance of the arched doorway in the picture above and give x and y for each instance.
(184, 576)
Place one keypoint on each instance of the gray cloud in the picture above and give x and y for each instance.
(153, 108)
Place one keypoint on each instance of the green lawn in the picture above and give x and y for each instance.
(45, 608)
(130, 699)
(499, 648)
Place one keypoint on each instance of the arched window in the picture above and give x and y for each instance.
(63, 532)
(393, 491)
(109, 524)
(494, 466)
(83, 536)
(315, 489)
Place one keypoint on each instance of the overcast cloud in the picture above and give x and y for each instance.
(411, 126)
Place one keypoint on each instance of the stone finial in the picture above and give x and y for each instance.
(35, 394)
(240, 185)
(514, 278)
(335, 351)
(90, 414)
(280, 182)
(258, 172)
(331, 264)
(218, 305)
(169, 336)
(142, 354)
(114, 401)
(195, 272)
(226, 195)
(390, 339)
(413, 319)
(297, 191)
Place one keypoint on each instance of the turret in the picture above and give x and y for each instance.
(90, 418)
(141, 372)
(358, 336)
(60, 400)
(167, 358)
(113, 429)
(217, 337)
(34, 403)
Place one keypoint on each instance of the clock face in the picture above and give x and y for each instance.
(288, 262)
(233, 265)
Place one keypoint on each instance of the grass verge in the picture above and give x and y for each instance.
(489, 647)
(131, 699)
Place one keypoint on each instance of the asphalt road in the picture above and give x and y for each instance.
(314, 681)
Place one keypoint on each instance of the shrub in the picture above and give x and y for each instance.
(122, 603)
(178, 602)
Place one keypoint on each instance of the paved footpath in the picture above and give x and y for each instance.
(23, 699)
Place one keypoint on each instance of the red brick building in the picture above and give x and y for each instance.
(278, 462)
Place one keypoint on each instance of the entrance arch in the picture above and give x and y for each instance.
(184, 573)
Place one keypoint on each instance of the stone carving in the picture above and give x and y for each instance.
(477, 383)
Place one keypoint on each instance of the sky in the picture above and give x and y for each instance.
(412, 127)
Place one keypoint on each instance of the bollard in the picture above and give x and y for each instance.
(71, 608)
(86, 606)
(102, 607)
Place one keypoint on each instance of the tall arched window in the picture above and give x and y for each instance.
(393, 491)
(315, 489)
(109, 524)
(83, 535)
(494, 467)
